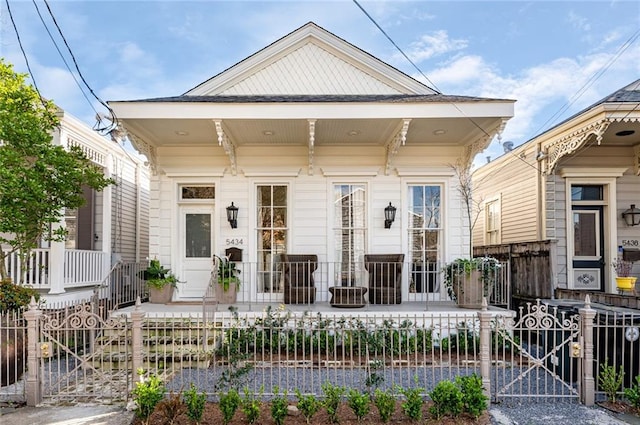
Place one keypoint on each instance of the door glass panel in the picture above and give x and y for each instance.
(585, 240)
(350, 232)
(271, 235)
(197, 235)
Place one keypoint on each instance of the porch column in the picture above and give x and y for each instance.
(56, 264)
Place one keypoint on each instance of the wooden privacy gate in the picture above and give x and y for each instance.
(73, 363)
(545, 359)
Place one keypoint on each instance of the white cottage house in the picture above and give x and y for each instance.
(314, 141)
(112, 226)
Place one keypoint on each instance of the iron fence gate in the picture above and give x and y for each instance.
(537, 356)
(76, 363)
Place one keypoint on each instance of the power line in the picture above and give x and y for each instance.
(114, 119)
(62, 56)
(419, 70)
(24, 54)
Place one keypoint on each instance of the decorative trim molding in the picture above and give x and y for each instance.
(591, 172)
(423, 172)
(263, 172)
(312, 138)
(206, 174)
(93, 155)
(145, 149)
(392, 145)
(346, 172)
(227, 145)
(572, 142)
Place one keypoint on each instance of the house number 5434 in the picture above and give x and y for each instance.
(234, 241)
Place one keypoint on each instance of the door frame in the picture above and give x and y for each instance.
(193, 208)
(606, 177)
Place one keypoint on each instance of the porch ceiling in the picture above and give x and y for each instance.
(295, 132)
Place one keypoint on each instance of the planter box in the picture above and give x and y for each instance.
(468, 289)
(228, 297)
(162, 295)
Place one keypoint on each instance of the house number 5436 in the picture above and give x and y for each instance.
(234, 241)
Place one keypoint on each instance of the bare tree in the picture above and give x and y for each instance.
(472, 208)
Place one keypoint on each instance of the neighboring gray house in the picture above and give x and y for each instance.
(574, 184)
(113, 224)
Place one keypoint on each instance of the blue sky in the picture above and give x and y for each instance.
(549, 56)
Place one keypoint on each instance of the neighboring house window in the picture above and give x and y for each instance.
(425, 234)
(350, 221)
(272, 234)
(492, 215)
(79, 223)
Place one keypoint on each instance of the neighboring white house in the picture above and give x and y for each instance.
(112, 225)
(310, 138)
(573, 184)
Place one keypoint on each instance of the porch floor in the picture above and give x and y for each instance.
(406, 309)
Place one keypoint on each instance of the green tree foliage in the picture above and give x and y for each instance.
(38, 179)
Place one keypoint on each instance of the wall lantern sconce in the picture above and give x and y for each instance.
(389, 215)
(632, 216)
(232, 216)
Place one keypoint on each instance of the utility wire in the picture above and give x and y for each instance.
(419, 70)
(24, 54)
(63, 58)
(114, 119)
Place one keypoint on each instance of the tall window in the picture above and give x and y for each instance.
(349, 230)
(492, 214)
(425, 235)
(272, 234)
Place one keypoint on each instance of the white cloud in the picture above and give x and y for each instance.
(434, 44)
(579, 22)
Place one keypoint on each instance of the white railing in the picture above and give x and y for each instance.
(37, 270)
(83, 268)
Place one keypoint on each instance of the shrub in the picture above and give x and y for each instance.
(309, 405)
(332, 398)
(385, 402)
(279, 406)
(251, 405)
(147, 394)
(447, 399)
(473, 398)
(610, 380)
(171, 407)
(229, 403)
(633, 394)
(195, 403)
(15, 297)
(412, 405)
(359, 402)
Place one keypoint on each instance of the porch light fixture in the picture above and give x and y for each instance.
(390, 215)
(232, 216)
(632, 216)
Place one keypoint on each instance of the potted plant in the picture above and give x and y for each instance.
(468, 280)
(228, 282)
(160, 281)
(624, 280)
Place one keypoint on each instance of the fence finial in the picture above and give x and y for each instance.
(485, 305)
(587, 301)
(138, 303)
(33, 304)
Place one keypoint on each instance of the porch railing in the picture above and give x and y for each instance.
(80, 268)
(387, 283)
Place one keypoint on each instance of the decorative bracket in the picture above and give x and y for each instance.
(392, 145)
(636, 159)
(470, 151)
(312, 139)
(574, 141)
(145, 149)
(227, 145)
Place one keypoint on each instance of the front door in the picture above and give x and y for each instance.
(588, 247)
(196, 238)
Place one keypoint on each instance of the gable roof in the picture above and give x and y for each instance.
(310, 61)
